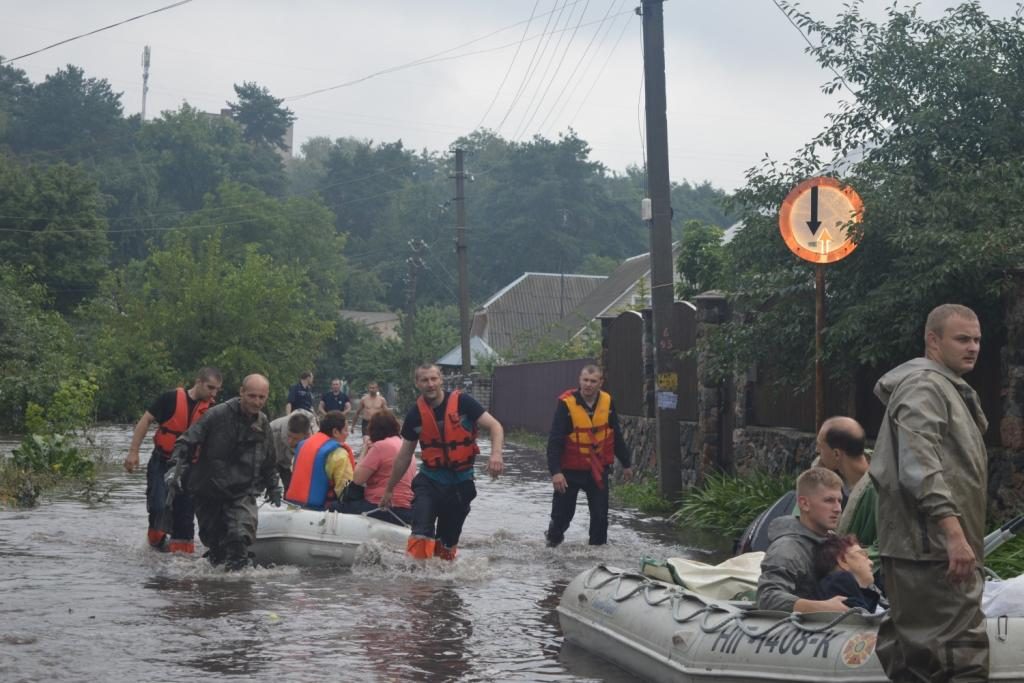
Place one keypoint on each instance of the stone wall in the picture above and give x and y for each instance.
(772, 449)
(640, 434)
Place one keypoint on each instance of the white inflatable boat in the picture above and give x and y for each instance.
(663, 632)
(292, 535)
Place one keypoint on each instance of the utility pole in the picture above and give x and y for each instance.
(667, 381)
(145, 80)
(460, 252)
(415, 263)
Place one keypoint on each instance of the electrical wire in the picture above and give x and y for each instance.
(94, 32)
(501, 85)
(523, 123)
(530, 69)
(810, 44)
(600, 72)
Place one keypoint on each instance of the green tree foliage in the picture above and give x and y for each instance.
(38, 347)
(191, 309)
(931, 142)
(261, 115)
(701, 260)
(51, 220)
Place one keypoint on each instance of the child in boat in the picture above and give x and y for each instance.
(844, 568)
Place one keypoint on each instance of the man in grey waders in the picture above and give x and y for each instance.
(930, 468)
(227, 459)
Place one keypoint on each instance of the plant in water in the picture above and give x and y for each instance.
(644, 496)
(728, 503)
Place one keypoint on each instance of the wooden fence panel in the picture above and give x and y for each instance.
(624, 363)
(523, 396)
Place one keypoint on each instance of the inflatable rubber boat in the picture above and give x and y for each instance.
(663, 632)
(292, 535)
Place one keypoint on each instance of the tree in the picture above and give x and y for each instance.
(38, 346)
(188, 309)
(261, 115)
(51, 221)
(931, 141)
(701, 260)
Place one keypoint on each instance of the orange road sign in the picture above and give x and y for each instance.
(815, 219)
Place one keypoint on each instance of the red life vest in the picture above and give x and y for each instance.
(591, 443)
(169, 431)
(309, 486)
(456, 449)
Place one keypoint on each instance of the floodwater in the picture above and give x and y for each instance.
(82, 597)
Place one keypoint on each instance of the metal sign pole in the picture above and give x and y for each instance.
(819, 345)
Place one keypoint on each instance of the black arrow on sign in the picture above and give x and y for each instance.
(814, 223)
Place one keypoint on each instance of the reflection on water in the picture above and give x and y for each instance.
(85, 599)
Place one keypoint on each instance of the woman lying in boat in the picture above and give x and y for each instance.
(373, 471)
(844, 568)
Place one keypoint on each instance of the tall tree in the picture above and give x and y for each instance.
(931, 140)
(261, 115)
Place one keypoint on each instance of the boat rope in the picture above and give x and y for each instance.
(657, 593)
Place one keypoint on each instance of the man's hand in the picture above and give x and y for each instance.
(131, 461)
(495, 465)
(627, 474)
(172, 481)
(274, 496)
(559, 483)
(385, 499)
(962, 560)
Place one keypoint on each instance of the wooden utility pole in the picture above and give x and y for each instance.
(662, 281)
(460, 252)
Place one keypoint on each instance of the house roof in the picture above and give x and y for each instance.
(528, 305)
(369, 317)
(606, 296)
(478, 351)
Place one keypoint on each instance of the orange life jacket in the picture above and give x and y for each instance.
(309, 486)
(168, 432)
(591, 443)
(456, 449)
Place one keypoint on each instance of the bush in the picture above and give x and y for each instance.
(727, 503)
(644, 496)
(1008, 559)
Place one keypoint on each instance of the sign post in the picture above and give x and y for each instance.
(815, 221)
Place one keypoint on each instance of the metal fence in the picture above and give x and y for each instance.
(523, 396)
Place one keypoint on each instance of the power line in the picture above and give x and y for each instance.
(90, 33)
(523, 123)
(530, 70)
(600, 72)
(810, 44)
(575, 83)
(416, 62)
(510, 65)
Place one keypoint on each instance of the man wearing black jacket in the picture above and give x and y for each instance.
(585, 439)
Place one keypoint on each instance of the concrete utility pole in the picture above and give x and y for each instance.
(460, 252)
(145, 80)
(666, 412)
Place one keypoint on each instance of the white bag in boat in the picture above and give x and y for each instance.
(729, 580)
(1004, 598)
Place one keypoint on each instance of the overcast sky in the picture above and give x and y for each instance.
(739, 82)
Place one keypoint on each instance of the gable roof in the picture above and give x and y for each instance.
(612, 294)
(528, 305)
(478, 351)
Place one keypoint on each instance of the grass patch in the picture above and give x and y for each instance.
(642, 495)
(41, 463)
(1008, 559)
(726, 504)
(525, 439)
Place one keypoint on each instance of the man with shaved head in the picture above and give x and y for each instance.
(224, 461)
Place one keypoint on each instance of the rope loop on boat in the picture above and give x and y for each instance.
(678, 596)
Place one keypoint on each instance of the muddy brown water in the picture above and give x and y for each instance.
(82, 598)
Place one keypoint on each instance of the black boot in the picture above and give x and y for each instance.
(237, 557)
(215, 556)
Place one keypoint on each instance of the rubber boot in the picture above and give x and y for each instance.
(445, 553)
(237, 557)
(420, 547)
(215, 555)
(178, 545)
(158, 539)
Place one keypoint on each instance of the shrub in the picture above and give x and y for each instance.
(728, 503)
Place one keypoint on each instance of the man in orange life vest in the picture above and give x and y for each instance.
(173, 411)
(444, 424)
(324, 465)
(584, 441)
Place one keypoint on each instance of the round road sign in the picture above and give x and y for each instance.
(815, 220)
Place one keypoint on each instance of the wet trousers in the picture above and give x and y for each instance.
(563, 507)
(182, 514)
(227, 526)
(440, 510)
(935, 631)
